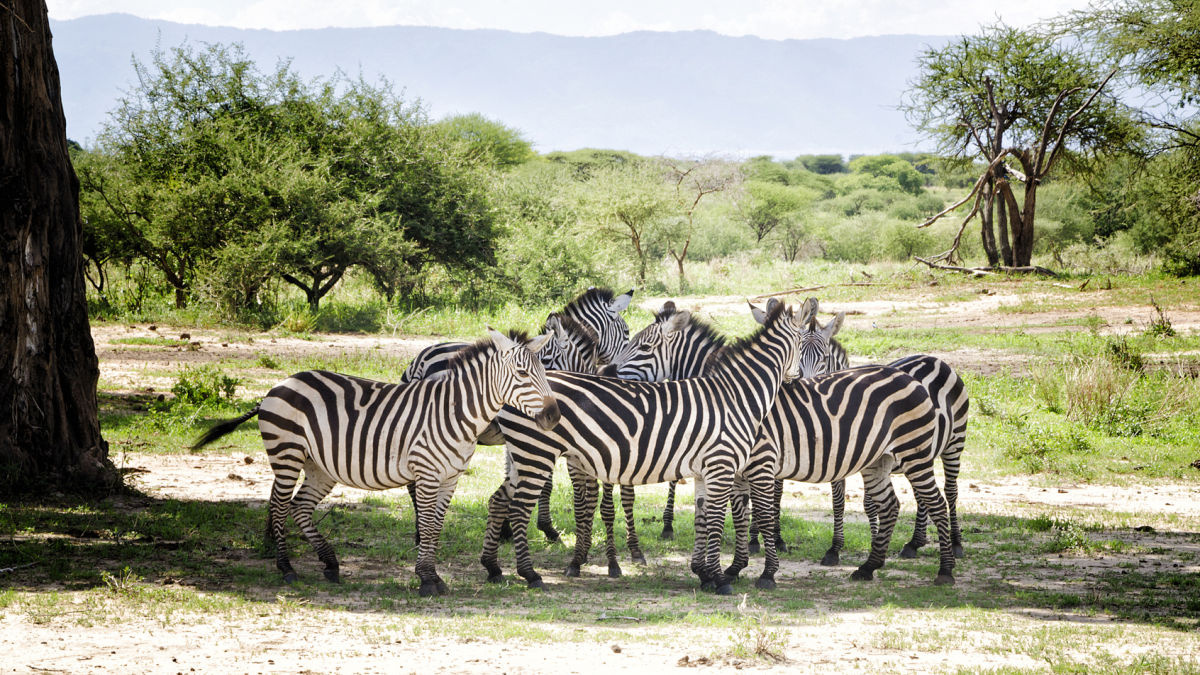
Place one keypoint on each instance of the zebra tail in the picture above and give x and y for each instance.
(221, 428)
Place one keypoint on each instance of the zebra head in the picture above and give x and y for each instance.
(521, 378)
(792, 326)
(673, 347)
(573, 348)
(601, 311)
(816, 344)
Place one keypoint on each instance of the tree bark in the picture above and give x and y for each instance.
(986, 233)
(49, 428)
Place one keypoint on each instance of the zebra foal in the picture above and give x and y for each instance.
(375, 436)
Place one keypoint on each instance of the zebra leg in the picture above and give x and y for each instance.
(717, 487)
(584, 488)
(872, 511)
(668, 515)
(780, 545)
(277, 513)
(755, 524)
(631, 538)
(544, 523)
(741, 522)
(877, 479)
(497, 519)
(920, 526)
(701, 529)
(929, 496)
(519, 510)
(434, 496)
(608, 516)
(950, 465)
(764, 495)
(412, 494)
(312, 490)
(833, 555)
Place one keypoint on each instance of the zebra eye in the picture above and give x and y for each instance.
(523, 372)
(645, 347)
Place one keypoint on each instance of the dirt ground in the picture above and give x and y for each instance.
(369, 642)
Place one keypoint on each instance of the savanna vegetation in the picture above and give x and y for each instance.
(252, 210)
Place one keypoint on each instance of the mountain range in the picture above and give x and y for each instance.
(675, 93)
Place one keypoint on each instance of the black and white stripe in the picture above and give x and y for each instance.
(375, 436)
(869, 419)
(634, 433)
(821, 353)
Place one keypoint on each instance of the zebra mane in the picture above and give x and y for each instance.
(481, 347)
(706, 332)
(574, 327)
(591, 295)
(726, 354)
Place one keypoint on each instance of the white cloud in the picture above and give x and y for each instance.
(772, 19)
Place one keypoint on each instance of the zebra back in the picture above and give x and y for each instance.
(432, 361)
(601, 310)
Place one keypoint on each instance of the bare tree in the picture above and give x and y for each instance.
(693, 181)
(49, 428)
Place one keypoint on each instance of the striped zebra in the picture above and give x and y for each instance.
(822, 354)
(636, 433)
(867, 420)
(375, 435)
(589, 330)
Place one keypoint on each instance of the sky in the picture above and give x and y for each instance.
(770, 19)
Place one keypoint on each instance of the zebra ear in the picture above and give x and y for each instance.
(760, 315)
(554, 324)
(502, 341)
(834, 326)
(677, 321)
(808, 312)
(771, 304)
(668, 306)
(536, 344)
(620, 302)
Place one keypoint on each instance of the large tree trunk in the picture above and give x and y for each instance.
(986, 233)
(49, 431)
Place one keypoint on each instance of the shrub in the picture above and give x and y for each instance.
(204, 384)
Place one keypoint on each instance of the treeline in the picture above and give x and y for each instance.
(219, 185)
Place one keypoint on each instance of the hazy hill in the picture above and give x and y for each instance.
(685, 92)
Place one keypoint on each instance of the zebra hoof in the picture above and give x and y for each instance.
(909, 551)
(553, 538)
(765, 583)
(291, 578)
(944, 579)
(708, 585)
(724, 589)
(537, 583)
(862, 574)
(495, 579)
(572, 570)
(831, 559)
(781, 546)
(754, 548)
(667, 534)
(442, 588)
(428, 589)
(331, 575)
(550, 533)
(614, 571)
(732, 573)
(958, 550)
(639, 558)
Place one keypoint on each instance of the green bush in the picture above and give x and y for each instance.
(204, 384)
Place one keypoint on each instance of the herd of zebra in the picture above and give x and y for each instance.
(678, 400)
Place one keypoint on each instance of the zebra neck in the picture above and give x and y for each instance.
(690, 362)
(473, 397)
(754, 371)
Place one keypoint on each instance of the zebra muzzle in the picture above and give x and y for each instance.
(548, 417)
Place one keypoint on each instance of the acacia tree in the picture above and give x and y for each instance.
(1013, 93)
(693, 180)
(49, 429)
(629, 202)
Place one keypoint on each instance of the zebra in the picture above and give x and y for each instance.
(870, 419)
(822, 354)
(635, 433)
(589, 330)
(375, 435)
